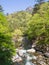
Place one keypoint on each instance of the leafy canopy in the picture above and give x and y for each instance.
(6, 44)
(38, 26)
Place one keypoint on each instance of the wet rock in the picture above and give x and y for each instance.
(46, 54)
(29, 63)
(42, 63)
(42, 48)
(33, 46)
(16, 58)
(21, 52)
(31, 50)
(47, 61)
(34, 57)
(31, 57)
(41, 60)
(28, 57)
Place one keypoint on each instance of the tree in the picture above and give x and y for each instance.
(6, 44)
(40, 1)
(18, 25)
(18, 20)
(38, 26)
(1, 9)
(36, 8)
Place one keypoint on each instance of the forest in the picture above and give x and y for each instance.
(27, 32)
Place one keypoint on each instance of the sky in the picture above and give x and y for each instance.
(10, 6)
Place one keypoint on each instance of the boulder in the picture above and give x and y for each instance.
(46, 54)
(21, 52)
(33, 46)
(34, 57)
(17, 58)
(31, 50)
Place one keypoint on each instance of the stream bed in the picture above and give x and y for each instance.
(30, 57)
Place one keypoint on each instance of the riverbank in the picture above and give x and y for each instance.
(30, 56)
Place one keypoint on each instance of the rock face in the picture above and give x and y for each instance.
(31, 50)
(29, 9)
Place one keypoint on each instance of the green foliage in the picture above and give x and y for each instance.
(36, 8)
(38, 26)
(18, 25)
(17, 35)
(6, 44)
(19, 20)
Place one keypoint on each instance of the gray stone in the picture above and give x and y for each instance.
(46, 54)
(31, 50)
(17, 58)
(21, 52)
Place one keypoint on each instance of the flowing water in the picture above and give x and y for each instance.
(26, 59)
